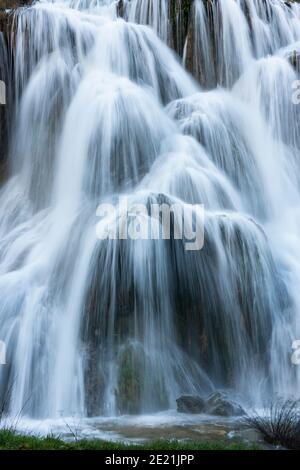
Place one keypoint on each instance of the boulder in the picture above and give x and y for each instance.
(217, 404)
(190, 404)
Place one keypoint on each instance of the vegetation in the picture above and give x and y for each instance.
(280, 424)
(10, 440)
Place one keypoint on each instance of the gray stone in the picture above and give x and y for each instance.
(219, 404)
(190, 404)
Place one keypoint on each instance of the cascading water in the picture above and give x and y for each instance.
(4, 91)
(104, 108)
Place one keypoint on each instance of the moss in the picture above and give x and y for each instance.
(130, 379)
(139, 386)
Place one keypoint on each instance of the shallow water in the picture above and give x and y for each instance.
(140, 429)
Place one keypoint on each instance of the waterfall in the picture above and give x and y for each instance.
(104, 108)
(4, 78)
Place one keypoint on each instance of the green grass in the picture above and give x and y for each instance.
(10, 440)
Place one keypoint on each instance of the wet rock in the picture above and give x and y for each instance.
(120, 8)
(294, 60)
(190, 404)
(7, 8)
(219, 404)
(7, 28)
(8, 4)
(130, 384)
(139, 388)
(3, 97)
(179, 18)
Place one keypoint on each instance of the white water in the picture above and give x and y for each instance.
(105, 108)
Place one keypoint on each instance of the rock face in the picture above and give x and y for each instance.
(178, 16)
(7, 4)
(7, 8)
(217, 404)
(3, 96)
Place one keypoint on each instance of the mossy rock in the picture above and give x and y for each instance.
(140, 386)
(131, 373)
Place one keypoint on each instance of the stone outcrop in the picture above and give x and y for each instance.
(9, 4)
(3, 92)
(7, 8)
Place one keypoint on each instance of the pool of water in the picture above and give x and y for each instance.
(137, 429)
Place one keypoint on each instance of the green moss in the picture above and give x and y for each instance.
(130, 379)
(136, 376)
(9, 440)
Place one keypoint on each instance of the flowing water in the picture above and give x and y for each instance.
(104, 108)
